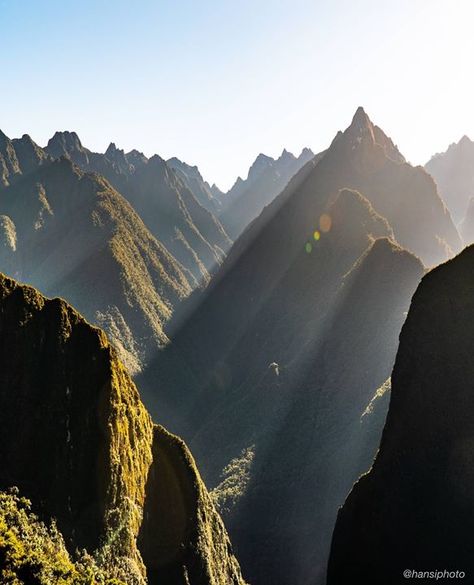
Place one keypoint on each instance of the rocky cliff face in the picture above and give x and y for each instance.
(76, 440)
(414, 509)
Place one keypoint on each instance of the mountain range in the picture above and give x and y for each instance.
(71, 234)
(278, 375)
(266, 178)
(170, 210)
(262, 326)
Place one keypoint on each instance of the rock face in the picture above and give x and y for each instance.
(76, 440)
(270, 375)
(72, 235)
(453, 172)
(414, 509)
(267, 177)
(169, 208)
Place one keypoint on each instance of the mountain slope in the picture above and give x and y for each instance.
(271, 373)
(414, 509)
(267, 177)
(168, 207)
(281, 355)
(208, 197)
(78, 442)
(72, 235)
(453, 172)
(466, 227)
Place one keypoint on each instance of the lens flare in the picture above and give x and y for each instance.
(316, 235)
(308, 247)
(325, 223)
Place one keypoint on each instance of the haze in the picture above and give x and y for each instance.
(216, 82)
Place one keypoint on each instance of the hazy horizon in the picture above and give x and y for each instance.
(216, 84)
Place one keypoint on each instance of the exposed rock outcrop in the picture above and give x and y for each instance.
(77, 441)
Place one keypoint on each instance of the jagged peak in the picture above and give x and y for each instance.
(135, 152)
(68, 140)
(262, 161)
(156, 162)
(286, 155)
(3, 136)
(112, 150)
(361, 119)
(306, 152)
(465, 140)
(175, 162)
(26, 138)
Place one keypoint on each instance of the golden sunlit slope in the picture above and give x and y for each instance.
(72, 235)
(78, 442)
(168, 207)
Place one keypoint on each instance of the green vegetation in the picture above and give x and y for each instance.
(32, 552)
(235, 479)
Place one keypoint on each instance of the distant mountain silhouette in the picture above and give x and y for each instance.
(72, 235)
(453, 172)
(78, 442)
(282, 355)
(414, 509)
(170, 210)
(267, 177)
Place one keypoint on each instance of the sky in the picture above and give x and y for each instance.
(216, 82)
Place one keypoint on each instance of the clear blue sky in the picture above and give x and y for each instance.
(215, 82)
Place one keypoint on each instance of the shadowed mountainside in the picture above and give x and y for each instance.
(170, 210)
(453, 172)
(267, 177)
(76, 440)
(414, 509)
(72, 235)
(283, 353)
(271, 374)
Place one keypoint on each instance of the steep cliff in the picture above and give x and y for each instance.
(414, 509)
(77, 441)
